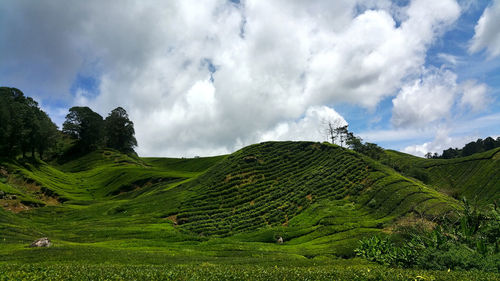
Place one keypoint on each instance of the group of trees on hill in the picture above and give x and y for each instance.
(337, 132)
(25, 128)
(91, 131)
(472, 147)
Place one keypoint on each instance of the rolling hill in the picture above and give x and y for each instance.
(107, 207)
(320, 198)
(476, 177)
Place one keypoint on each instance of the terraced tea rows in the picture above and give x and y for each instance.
(475, 176)
(320, 198)
(266, 185)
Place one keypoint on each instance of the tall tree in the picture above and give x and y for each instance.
(342, 133)
(47, 134)
(21, 124)
(86, 126)
(120, 133)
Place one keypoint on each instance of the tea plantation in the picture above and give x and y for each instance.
(112, 216)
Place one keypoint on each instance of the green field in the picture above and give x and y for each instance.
(113, 216)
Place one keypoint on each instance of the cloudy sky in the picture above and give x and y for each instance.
(209, 77)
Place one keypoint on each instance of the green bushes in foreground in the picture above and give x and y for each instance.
(471, 242)
(207, 271)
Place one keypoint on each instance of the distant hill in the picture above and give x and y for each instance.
(476, 177)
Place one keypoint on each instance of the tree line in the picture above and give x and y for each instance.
(91, 131)
(477, 146)
(24, 127)
(27, 129)
(340, 134)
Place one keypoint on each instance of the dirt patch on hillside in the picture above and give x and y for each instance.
(309, 197)
(411, 221)
(28, 188)
(172, 218)
(14, 206)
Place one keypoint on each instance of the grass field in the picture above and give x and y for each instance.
(113, 216)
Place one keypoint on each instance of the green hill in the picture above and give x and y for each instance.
(107, 207)
(320, 198)
(475, 177)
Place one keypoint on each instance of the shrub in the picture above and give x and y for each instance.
(470, 243)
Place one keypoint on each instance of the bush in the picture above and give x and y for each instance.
(470, 243)
(385, 252)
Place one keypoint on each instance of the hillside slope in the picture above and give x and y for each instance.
(475, 177)
(307, 192)
(320, 198)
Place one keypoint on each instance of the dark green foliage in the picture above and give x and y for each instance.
(469, 243)
(24, 127)
(384, 251)
(48, 136)
(418, 173)
(120, 131)
(86, 126)
(338, 270)
(91, 131)
(471, 148)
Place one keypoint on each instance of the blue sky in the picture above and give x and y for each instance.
(206, 78)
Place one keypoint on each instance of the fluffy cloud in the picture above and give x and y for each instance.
(474, 95)
(426, 100)
(208, 77)
(432, 98)
(441, 142)
(311, 127)
(487, 33)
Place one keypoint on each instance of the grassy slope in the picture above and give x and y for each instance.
(475, 176)
(319, 197)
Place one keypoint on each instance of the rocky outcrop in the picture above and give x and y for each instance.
(42, 242)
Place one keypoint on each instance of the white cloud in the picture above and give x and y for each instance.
(274, 61)
(310, 127)
(433, 98)
(397, 135)
(449, 59)
(426, 100)
(474, 95)
(487, 31)
(442, 135)
(441, 141)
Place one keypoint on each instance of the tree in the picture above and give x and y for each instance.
(336, 130)
(489, 143)
(472, 147)
(47, 135)
(22, 123)
(331, 129)
(450, 153)
(342, 133)
(30, 126)
(120, 133)
(86, 126)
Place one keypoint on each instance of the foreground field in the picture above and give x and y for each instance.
(355, 271)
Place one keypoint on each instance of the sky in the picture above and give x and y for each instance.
(210, 77)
